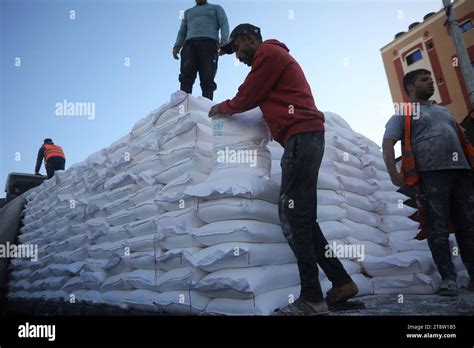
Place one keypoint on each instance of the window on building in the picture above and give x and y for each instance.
(466, 26)
(414, 57)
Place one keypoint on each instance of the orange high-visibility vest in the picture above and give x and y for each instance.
(51, 150)
(408, 170)
(466, 146)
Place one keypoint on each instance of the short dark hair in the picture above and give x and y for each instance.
(410, 78)
(48, 141)
(247, 35)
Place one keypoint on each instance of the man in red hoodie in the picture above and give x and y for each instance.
(276, 83)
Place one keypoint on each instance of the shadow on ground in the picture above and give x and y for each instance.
(463, 304)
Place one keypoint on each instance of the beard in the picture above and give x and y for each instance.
(249, 53)
(424, 94)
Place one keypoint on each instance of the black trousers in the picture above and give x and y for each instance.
(199, 55)
(297, 208)
(53, 164)
(448, 195)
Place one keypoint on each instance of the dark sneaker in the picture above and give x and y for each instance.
(341, 293)
(448, 288)
(303, 307)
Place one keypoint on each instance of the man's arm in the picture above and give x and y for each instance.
(39, 159)
(223, 25)
(258, 84)
(183, 30)
(394, 131)
(389, 159)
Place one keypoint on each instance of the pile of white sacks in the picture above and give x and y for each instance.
(181, 215)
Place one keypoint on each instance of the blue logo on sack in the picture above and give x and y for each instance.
(218, 124)
(217, 127)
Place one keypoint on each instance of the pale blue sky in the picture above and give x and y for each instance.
(336, 42)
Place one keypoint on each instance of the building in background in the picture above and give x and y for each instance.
(428, 45)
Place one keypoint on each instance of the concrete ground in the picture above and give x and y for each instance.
(463, 304)
(376, 305)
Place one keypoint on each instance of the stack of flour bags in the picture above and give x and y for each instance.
(101, 226)
(181, 216)
(252, 269)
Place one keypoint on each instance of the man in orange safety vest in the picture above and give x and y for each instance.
(54, 158)
(438, 159)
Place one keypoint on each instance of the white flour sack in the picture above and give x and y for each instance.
(180, 216)
(251, 187)
(237, 255)
(248, 282)
(263, 304)
(399, 264)
(238, 208)
(181, 302)
(247, 127)
(413, 284)
(240, 146)
(251, 231)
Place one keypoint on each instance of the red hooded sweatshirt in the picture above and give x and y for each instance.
(277, 84)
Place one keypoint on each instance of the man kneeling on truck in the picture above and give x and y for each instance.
(54, 158)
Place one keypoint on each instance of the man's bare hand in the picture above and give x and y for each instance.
(219, 51)
(214, 111)
(176, 52)
(397, 179)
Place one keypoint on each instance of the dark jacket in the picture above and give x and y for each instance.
(41, 155)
